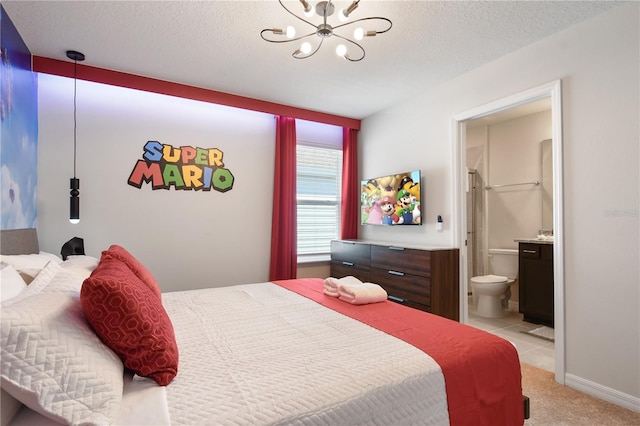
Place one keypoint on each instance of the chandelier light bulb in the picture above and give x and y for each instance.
(305, 47)
(74, 221)
(310, 11)
(344, 13)
(341, 50)
(358, 34)
(291, 32)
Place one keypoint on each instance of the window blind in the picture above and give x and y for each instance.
(319, 182)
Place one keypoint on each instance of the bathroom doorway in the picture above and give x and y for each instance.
(506, 197)
(471, 219)
(505, 202)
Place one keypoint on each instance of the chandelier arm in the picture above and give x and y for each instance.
(354, 43)
(293, 14)
(367, 19)
(310, 54)
(282, 41)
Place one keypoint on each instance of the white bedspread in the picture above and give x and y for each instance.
(258, 354)
(143, 404)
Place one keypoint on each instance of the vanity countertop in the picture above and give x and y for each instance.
(534, 240)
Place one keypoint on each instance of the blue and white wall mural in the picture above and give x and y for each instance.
(19, 132)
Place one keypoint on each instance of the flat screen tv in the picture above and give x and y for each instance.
(391, 200)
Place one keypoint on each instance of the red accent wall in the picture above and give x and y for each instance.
(132, 81)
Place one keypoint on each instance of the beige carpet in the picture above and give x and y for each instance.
(554, 404)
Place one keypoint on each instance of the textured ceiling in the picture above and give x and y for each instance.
(216, 44)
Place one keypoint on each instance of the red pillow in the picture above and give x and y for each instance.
(130, 320)
(120, 253)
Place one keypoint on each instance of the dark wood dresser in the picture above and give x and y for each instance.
(426, 279)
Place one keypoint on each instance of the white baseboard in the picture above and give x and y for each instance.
(607, 394)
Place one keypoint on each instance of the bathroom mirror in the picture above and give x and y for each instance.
(547, 184)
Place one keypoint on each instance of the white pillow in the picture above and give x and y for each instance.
(52, 361)
(29, 261)
(11, 283)
(52, 279)
(81, 265)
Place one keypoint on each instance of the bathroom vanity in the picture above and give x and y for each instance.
(535, 274)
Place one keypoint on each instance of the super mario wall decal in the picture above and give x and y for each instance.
(184, 168)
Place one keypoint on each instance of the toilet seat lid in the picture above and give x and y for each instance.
(490, 279)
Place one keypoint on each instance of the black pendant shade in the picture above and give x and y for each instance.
(74, 201)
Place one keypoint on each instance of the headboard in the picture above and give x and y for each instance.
(19, 241)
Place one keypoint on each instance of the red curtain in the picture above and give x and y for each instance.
(350, 188)
(284, 256)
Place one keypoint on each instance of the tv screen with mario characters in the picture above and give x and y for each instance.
(391, 200)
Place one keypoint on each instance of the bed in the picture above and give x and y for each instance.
(271, 353)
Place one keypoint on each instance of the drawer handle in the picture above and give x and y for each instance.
(347, 263)
(529, 251)
(396, 248)
(396, 299)
(399, 274)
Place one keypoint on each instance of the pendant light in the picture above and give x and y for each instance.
(74, 205)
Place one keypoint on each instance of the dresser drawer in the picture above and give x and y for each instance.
(356, 253)
(405, 286)
(341, 269)
(408, 261)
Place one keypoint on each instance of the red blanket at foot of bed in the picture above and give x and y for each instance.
(481, 371)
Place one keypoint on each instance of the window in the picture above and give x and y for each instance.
(319, 184)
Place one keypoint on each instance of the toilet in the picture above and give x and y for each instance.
(491, 293)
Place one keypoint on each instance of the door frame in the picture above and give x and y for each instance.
(552, 90)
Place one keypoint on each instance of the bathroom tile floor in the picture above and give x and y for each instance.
(532, 350)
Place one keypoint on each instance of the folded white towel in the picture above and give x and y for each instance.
(350, 280)
(331, 287)
(332, 284)
(360, 294)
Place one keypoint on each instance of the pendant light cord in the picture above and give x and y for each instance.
(75, 84)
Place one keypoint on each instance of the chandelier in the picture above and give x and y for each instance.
(324, 30)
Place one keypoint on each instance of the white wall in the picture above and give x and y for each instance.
(187, 239)
(598, 62)
(515, 156)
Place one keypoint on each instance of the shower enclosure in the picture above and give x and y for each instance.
(476, 235)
